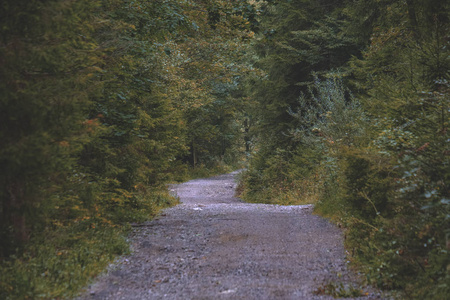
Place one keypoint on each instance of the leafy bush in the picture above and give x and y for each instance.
(328, 119)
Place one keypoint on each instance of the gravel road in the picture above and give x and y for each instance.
(214, 246)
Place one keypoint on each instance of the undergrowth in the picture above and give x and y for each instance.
(340, 290)
(61, 259)
(203, 171)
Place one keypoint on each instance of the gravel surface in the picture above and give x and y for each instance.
(214, 246)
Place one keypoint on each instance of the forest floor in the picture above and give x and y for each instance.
(214, 246)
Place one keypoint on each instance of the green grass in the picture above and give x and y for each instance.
(58, 262)
(204, 171)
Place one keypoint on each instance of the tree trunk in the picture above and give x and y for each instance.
(412, 18)
(14, 211)
(194, 155)
(246, 135)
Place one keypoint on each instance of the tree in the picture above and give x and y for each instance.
(47, 62)
(296, 38)
(403, 82)
(206, 65)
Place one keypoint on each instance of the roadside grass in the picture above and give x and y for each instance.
(340, 290)
(294, 193)
(290, 191)
(203, 171)
(59, 261)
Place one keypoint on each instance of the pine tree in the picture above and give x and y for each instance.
(47, 62)
(297, 38)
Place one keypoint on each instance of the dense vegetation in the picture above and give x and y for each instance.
(102, 104)
(340, 103)
(353, 115)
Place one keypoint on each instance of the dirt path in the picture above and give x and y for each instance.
(214, 246)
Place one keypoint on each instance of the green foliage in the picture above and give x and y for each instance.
(385, 194)
(208, 64)
(328, 118)
(59, 265)
(378, 161)
(339, 290)
(297, 39)
(368, 182)
(102, 104)
(407, 100)
(76, 245)
(46, 63)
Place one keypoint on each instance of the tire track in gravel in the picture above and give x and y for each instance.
(214, 246)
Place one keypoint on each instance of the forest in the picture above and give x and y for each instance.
(340, 103)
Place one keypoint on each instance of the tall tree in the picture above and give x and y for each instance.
(208, 64)
(47, 61)
(297, 38)
(403, 82)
